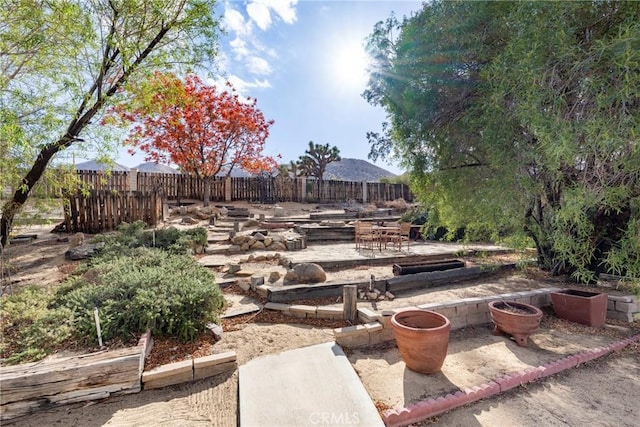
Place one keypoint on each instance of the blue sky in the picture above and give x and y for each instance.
(303, 61)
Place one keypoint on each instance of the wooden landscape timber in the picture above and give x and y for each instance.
(437, 278)
(39, 385)
(402, 269)
(35, 386)
(333, 265)
(322, 233)
(319, 216)
(282, 294)
(395, 285)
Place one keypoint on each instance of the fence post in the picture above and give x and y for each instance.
(133, 179)
(364, 192)
(227, 189)
(303, 187)
(350, 302)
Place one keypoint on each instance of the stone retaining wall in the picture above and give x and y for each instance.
(394, 285)
(623, 307)
(461, 313)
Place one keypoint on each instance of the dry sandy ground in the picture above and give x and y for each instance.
(604, 392)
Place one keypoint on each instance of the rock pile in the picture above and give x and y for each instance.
(263, 240)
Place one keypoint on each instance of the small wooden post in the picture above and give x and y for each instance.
(96, 317)
(350, 302)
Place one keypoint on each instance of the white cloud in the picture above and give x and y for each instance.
(257, 65)
(260, 11)
(286, 9)
(246, 51)
(244, 86)
(239, 48)
(234, 21)
(260, 14)
(241, 85)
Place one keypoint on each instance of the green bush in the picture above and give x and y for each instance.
(170, 239)
(146, 288)
(30, 330)
(133, 287)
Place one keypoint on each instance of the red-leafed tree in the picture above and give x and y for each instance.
(202, 129)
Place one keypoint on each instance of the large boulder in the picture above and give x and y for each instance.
(257, 245)
(83, 251)
(278, 246)
(250, 223)
(240, 239)
(306, 272)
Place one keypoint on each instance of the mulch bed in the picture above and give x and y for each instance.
(276, 317)
(169, 350)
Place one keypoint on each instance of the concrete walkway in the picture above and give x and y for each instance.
(308, 386)
(346, 251)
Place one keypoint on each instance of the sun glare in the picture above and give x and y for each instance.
(348, 66)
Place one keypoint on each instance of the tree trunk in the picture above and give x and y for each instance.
(207, 191)
(536, 227)
(609, 229)
(13, 206)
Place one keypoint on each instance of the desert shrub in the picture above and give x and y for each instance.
(430, 228)
(417, 215)
(133, 287)
(30, 330)
(399, 179)
(171, 239)
(399, 205)
(146, 288)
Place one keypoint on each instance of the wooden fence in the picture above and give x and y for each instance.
(254, 189)
(98, 180)
(104, 210)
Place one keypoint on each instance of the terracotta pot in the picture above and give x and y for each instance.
(422, 337)
(516, 319)
(585, 307)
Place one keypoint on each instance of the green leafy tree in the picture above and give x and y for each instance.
(63, 62)
(31, 36)
(520, 118)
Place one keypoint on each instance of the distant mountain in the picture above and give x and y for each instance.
(152, 167)
(355, 170)
(92, 165)
(236, 173)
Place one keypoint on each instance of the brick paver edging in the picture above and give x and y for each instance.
(435, 406)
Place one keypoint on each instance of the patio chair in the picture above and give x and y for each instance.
(365, 237)
(405, 234)
(390, 236)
